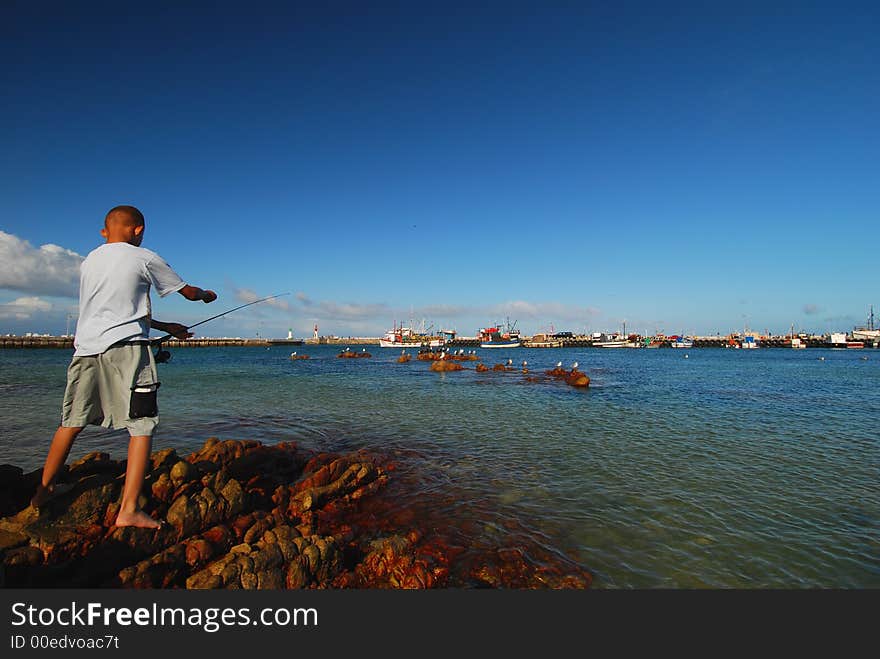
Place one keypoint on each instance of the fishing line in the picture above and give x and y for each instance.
(164, 356)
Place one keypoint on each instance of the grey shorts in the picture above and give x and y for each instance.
(101, 390)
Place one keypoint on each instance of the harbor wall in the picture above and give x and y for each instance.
(66, 342)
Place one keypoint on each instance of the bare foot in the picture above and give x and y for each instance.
(138, 518)
(42, 495)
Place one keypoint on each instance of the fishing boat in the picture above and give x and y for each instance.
(542, 341)
(676, 341)
(749, 342)
(407, 337)
(498, 337)
(837, 340)
(796, 342)
(609, 340)
(869, 332)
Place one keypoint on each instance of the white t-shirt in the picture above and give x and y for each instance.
(114, 295)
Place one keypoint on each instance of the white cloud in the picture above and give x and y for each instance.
(372, 318)
(247, 296)
(24, 308)
(49, 270)
(349, 311)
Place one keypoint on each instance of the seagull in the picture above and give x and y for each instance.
(685, 356)
(558, 364)
(509, 362)
(293, 353)
(574, 366)
(821, 359)
(524, 362)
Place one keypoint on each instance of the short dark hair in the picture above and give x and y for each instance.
(126, 214)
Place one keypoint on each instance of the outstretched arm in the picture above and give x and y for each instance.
(176, 330)
(194, 294)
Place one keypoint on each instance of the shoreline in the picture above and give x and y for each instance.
(242, 514)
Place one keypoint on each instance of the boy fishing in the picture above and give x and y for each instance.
(111, 380)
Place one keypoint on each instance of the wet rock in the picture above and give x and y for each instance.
(182, 472)
(92, 463)
(258, 528)
(23, 556)
(162, 570)
(185, 516)
(162, 488)
(442, 365)
(221, 453)
(234, 496)
(163, 459)
(309, 497)
(351, 354)
(576, 378)
(11, 540)
(243, 515)
(315, 562)
(393, 562)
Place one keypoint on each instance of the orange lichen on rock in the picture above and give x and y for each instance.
(243, 515)
(351, 354)
(576, 378)
(442, 365)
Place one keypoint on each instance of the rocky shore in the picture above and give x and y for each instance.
(241, 514)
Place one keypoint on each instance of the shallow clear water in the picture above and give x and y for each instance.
(733, 469)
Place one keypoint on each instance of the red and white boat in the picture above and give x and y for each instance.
(496, 337)
(406, 337)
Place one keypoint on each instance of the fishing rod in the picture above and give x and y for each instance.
(164, 356)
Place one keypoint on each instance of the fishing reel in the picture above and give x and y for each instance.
(162, 356)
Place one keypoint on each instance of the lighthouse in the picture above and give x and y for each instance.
(289, 332)
(316, 331)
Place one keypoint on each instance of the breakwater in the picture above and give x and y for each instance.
(814, 341)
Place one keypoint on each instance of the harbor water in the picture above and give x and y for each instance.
(706, 468)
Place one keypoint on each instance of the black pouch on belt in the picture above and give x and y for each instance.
(144, 401)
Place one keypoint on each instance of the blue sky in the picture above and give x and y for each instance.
(678, 167)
